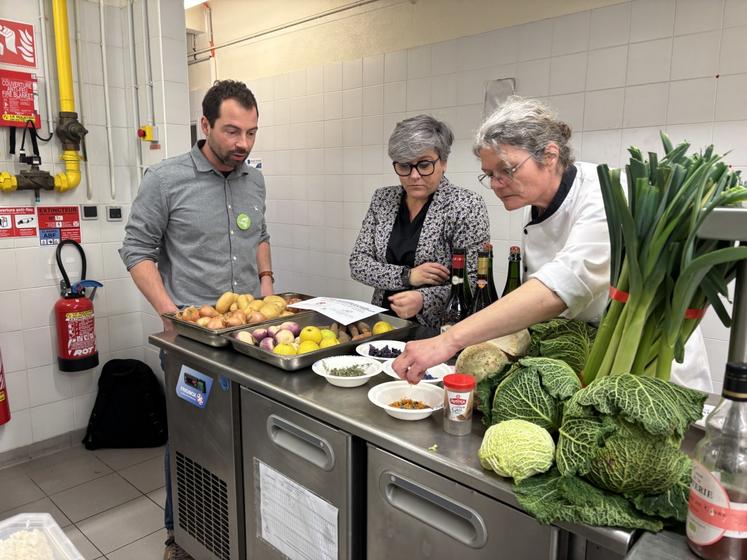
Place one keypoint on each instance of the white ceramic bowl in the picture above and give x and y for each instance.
(322, 367)
(436, 372)
(386, 393)
(362, 349)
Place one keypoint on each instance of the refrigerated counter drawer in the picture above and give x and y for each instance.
(414, 513)
(300, 478)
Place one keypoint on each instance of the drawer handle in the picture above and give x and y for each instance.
(456, 520)
(300, 442)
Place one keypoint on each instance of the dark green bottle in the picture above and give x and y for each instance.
(482, 290)
(491, 281)
(513, 280)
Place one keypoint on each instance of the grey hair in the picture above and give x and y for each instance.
(414, 136)
(528, 124)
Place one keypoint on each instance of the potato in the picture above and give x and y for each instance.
(244, 300)
(287, 313)
(234, 307)
(270, 310)
(208, 311)
(256, 305)
(224, 302)
(276, 300)
(203, 321)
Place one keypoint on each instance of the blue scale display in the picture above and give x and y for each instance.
(193, 387)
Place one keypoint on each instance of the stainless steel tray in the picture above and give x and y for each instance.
(213, 337)
(300, 361)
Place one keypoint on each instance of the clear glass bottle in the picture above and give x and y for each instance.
(717, 510)
(457, 306)
(513, 280)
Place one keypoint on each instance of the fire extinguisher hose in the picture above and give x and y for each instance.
(65, 277)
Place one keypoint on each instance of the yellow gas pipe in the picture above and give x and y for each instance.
(69, 130)
(71, 177)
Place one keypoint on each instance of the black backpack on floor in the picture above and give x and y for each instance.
(130, 408)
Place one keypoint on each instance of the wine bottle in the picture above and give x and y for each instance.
(718, 493)
(491, 280)
(457, 306)
(513, 280)
(482, 291)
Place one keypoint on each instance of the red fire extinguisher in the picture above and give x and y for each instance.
(73, 313)
(4, 405)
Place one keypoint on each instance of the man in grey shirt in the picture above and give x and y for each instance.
(197, 226)
(200, 215)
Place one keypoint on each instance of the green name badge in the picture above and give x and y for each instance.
(243, 221)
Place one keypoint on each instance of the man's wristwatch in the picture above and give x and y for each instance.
(405, 276)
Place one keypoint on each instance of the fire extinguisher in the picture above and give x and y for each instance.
(73, 313)
(4, 405)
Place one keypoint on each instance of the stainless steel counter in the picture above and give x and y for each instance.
(349, 410)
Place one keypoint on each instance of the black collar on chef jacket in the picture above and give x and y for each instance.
(565, 187)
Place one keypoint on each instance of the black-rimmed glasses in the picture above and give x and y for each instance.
(506, 174)
(425, 167)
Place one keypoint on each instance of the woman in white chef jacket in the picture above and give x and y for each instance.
(526, 160)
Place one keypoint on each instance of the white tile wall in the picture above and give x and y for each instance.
(617, 74)
(44, 401)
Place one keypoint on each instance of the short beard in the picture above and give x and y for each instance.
(227, 161)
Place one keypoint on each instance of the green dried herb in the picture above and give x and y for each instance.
(350, 371)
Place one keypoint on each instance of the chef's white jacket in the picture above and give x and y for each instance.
(569, 252)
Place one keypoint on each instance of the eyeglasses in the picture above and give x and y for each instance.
(425, 167)
(506, 174)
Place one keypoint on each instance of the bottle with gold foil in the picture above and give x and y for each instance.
(482, 289)
(513, 280)
(717, 509)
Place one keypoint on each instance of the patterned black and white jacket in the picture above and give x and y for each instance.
(456, 217)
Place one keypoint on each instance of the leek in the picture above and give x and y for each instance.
(657, 258)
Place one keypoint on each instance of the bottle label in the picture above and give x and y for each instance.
(711, 515)
(481, 283)
(458, 405)
(457, 280)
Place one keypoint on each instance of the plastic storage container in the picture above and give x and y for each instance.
(35, 536)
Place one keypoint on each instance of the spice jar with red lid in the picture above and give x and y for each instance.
(459, 398)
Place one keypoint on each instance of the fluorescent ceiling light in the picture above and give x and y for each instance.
(191, 3)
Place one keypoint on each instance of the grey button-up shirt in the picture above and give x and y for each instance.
(192, 221)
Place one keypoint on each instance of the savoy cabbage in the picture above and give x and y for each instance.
(516, 449)
(618, 449)
(569, 340)
(534, 390)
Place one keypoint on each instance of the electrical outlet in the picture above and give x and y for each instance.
(114, 213)
(89, 212)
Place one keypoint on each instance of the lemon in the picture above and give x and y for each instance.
(326, 333)
(327, 342)
(284, 350)
(381, 327)
(311, 333)
(307, 346)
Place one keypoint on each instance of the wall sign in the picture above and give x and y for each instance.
(19, 99)
(57, 223)
(17, 43)
(18, 221)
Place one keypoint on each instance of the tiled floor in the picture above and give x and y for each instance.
(109, 502)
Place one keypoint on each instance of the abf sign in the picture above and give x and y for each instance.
(17, 45)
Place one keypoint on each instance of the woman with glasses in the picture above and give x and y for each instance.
(526, 160)
(404, 246)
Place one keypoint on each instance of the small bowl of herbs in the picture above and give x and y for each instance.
(347, 371)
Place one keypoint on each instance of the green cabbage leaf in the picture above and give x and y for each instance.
(569, 340)
(534, 390)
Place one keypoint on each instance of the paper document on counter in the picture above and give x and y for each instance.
(344, 311)
(294, 520)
